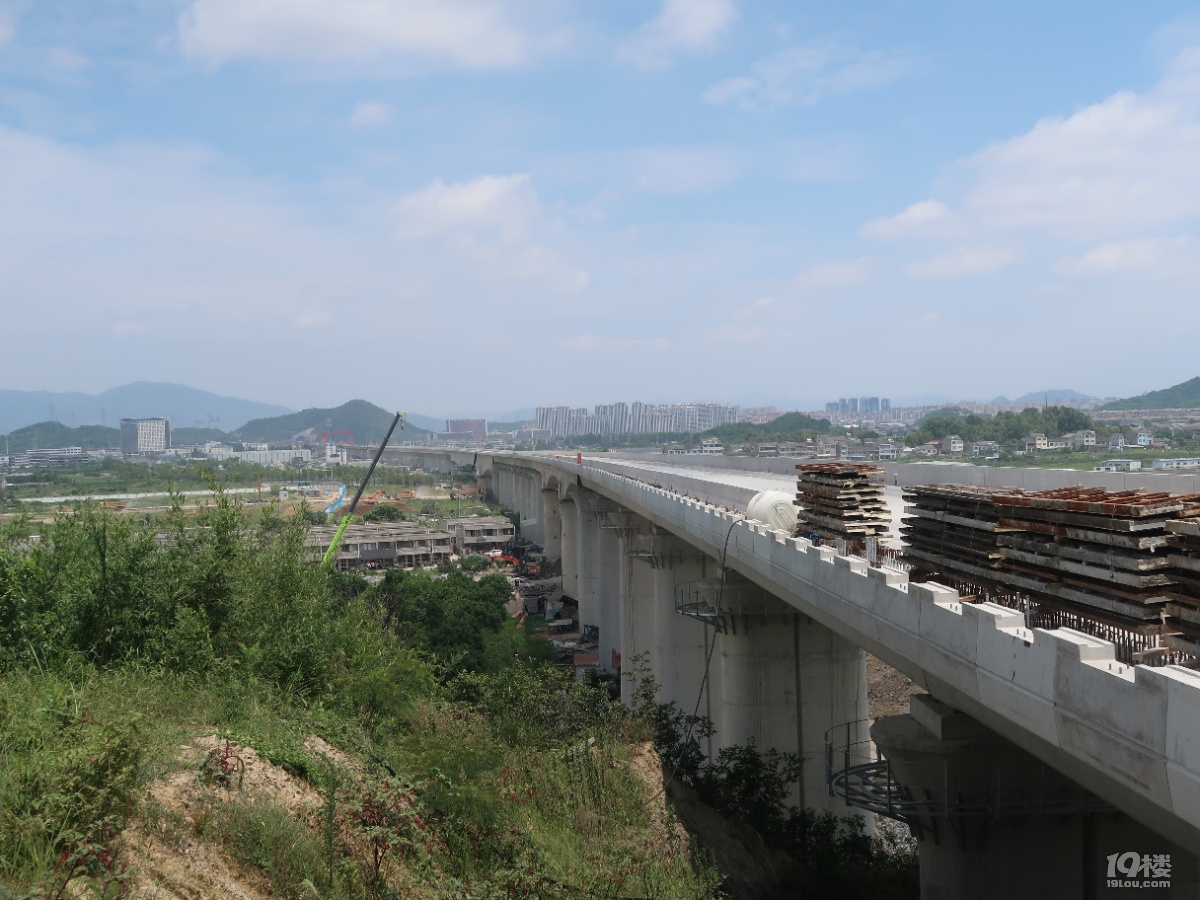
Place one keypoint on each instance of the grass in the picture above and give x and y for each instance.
(499, 804)
(117, 651)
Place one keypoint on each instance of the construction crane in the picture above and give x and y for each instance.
(331, 553)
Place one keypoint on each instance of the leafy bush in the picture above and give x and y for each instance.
(447, 616)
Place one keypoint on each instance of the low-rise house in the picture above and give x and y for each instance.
(952, 443)
(479, 534)
(382, 546)
(1034, 442)
(1138, 437)
(985, 448)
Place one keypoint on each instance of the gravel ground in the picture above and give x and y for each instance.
(887, 689)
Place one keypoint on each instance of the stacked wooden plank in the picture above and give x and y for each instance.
(952, 528)
(1091, 548)
(1183, 610)
(1098, 553)
(842, 500)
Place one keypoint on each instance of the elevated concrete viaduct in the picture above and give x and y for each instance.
(1040, 765)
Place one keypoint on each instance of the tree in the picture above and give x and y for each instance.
(385, 514)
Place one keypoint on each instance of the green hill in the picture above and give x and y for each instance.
(44, 435)
(792, 426)
(183, 436)
(368, 422)
(1181, 396)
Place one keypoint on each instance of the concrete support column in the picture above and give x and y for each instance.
(531, 496)
(569, 518)
(999, 823)
(588, 554)
(681, 643)
(551, 524)
(611, 590)
(784, 681)
(502, 485)
(638, 620)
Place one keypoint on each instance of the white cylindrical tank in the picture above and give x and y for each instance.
(774, 508)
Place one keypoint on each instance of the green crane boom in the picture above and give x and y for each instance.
(331, 553)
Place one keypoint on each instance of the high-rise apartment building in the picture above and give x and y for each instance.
(636, 418)
(477, 428)
(145, 435)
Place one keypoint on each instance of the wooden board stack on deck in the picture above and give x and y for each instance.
(952, 527)
(1087, 550)
(1183, 610)
(842, 500)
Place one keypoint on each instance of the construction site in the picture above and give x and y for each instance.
(1121, 565)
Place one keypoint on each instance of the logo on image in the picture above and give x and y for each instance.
(1139, 870)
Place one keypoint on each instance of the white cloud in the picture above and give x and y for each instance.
(685, 170)
(595, 343)
(493, 219)
(837, 273)
(64, 59)
(682, 26)
(537, 262)
(736, 333)
(1120, 256)
(504, 204)
(965, 261)
(8, 28)
(150, 228)
(1122, 166)
(371, 112)
(914, 219)
(314, 318)
(807, 74)
(471, 33)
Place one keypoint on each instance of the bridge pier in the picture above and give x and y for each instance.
(639, 630)
(784, 681)
(533, 528)
(569, 546)
(994, 822)
(551, 523)
(681, 644)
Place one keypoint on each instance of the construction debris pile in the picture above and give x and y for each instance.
(1096, 553)
(842, 500)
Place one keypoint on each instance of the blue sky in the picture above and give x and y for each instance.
(456, 206)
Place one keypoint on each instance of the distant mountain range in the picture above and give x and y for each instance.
(1061, 395)
(368, 422)
(185, 406)
(1182, 396)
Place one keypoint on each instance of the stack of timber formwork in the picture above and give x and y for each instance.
(1093, 550)
(842, 500)
(952, 528)
(1183, 609)
(1088, 551)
